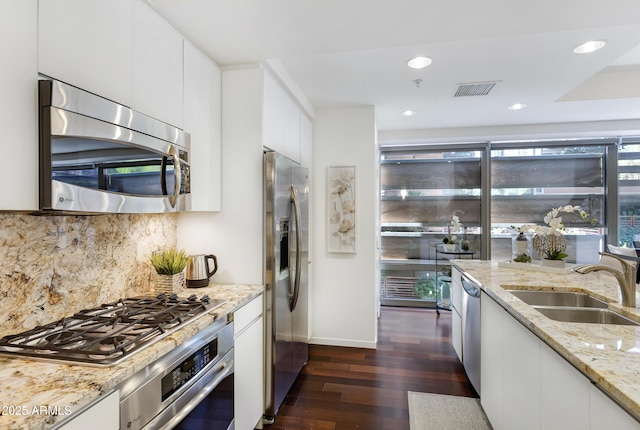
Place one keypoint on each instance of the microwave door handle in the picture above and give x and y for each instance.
(177, 175)
(163, 176)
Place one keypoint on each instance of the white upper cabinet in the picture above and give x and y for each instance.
(157, 66)
(281, 120)
(306, 140)
(18, 110)
(119, 49)
(261, 102)
(202, 121)
(88, 44)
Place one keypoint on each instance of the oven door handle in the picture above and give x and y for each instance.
(183, 405)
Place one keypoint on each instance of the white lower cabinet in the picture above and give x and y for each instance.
(456, 332)
(249, 365)
(456, 309)
(564, 393)
(527, 385)
(521, 377)
(103, 415)
(605, 414)
(492, 361)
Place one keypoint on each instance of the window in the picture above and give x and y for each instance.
(421, 189)
(419, 192)
(528, 181)
(629, 194)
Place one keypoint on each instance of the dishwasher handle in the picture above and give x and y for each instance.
(470, 288)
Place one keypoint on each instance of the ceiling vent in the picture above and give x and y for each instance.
(474, 89)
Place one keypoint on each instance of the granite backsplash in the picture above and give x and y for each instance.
(53, 266)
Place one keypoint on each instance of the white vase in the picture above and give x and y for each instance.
(450, 247)
(552, 263)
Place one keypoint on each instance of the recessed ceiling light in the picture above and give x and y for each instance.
(408, 113)
(517, 106)
(590, 46)
(419, 62)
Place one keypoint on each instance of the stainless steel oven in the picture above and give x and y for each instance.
(189, 388)
(99, 156)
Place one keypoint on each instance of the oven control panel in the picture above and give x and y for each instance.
(188, 369)
(167, 382)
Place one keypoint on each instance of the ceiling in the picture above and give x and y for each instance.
(354, 52)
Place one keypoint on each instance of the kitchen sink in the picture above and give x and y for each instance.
(558, 298)
(584, 315)
(571, 306)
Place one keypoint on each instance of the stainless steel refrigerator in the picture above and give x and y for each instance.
(286, 276)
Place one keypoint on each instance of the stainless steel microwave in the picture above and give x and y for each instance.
(97, 156)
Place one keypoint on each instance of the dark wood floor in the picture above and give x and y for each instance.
(354, 388)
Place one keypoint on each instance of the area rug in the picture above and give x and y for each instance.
(437, 411)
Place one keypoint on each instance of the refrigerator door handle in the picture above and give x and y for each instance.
(293, 296)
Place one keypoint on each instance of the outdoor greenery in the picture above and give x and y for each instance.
(426, 287)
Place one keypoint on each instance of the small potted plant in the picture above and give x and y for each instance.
(451, 240)
(549, 241)
(169, 265)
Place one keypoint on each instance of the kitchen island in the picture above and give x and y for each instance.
(38, 395)
(608, 355)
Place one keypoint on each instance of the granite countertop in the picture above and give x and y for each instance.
(609, 355)
(28, 386)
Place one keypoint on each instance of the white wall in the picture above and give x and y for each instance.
(234, 234)
(345, 295)
(344, 287)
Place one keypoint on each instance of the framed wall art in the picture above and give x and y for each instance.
(341, 229)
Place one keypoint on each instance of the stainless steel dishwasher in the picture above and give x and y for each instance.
(471, 330)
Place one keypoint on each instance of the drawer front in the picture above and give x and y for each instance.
(246, 314)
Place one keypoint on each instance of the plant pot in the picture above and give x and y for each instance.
(552, 263)
(450, 247)
(545, 244)
(169, 284)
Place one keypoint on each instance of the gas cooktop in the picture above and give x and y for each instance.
(107, 334)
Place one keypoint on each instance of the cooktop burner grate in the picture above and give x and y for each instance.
(107, 334)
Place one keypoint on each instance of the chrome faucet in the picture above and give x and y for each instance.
(626, 278)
